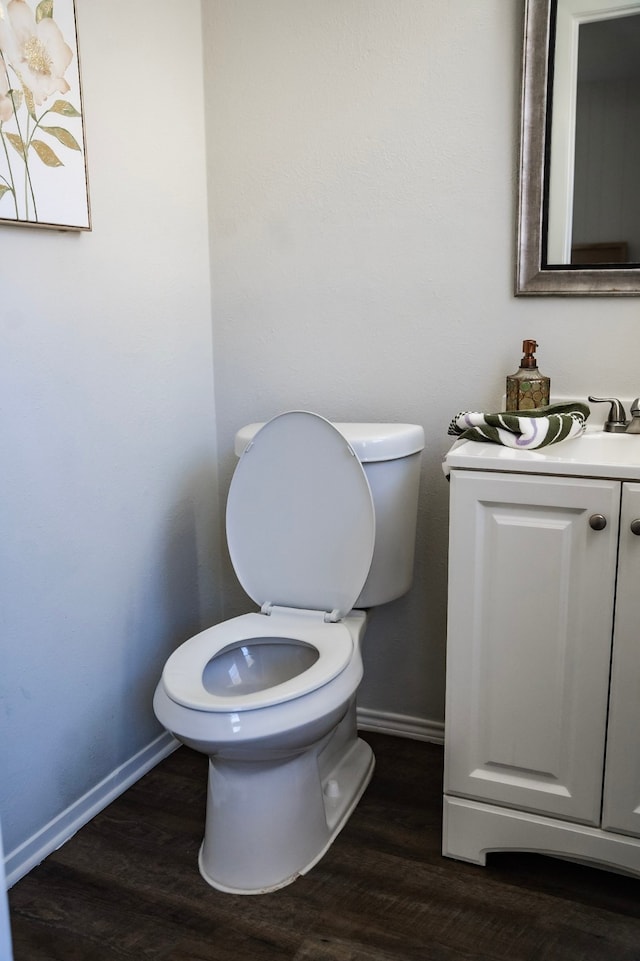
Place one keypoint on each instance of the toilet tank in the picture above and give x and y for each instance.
(390, 455)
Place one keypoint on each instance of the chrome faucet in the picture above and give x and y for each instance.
(616, 422)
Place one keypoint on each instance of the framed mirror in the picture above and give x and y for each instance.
(579, 190)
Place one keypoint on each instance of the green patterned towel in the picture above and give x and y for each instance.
(523, 429)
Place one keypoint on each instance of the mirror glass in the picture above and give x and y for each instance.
(594, 149)
(579, 213)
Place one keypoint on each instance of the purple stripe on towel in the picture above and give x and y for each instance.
(522, 442)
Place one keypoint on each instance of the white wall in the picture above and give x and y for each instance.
(362, 171)
(108, 481)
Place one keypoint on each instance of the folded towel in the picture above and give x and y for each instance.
(523, 429)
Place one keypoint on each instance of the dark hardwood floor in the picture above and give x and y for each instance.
(127, 887)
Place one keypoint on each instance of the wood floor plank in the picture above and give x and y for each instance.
(127, 887)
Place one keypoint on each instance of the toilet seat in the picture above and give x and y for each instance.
(182, 677)
(301, 533)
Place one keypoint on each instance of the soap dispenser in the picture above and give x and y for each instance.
(527, 389)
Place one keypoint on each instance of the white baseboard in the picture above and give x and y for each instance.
(384, 722)
(54, 834)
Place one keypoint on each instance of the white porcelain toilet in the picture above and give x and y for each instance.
(320, 526)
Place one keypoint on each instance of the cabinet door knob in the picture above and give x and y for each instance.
(598, 522)
(635, 526)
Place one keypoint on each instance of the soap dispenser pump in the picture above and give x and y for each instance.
(527, 389)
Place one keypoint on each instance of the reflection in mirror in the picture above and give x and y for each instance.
(579, 204)
(592, 188)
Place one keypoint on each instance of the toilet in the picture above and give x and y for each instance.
(320, 527)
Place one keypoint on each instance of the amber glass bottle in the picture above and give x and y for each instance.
(527, 388)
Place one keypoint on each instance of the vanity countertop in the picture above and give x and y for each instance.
(593, 454)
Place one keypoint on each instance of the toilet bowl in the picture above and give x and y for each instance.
(269, 696)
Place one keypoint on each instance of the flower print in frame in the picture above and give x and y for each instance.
(43, 171)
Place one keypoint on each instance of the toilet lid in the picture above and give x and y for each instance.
(300, 517)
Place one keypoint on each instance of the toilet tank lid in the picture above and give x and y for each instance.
(371, 442)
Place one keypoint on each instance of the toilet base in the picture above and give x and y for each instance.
(268, 824)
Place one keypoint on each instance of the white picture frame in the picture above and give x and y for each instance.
(43, 164)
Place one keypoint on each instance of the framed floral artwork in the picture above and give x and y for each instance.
(43, 168)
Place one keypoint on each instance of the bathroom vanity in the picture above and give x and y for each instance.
(542, 742)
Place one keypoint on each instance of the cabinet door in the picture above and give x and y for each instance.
(621, 808)
(531, 587)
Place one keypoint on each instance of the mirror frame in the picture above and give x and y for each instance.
(531, 276)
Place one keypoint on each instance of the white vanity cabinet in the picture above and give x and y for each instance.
(542, 733)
